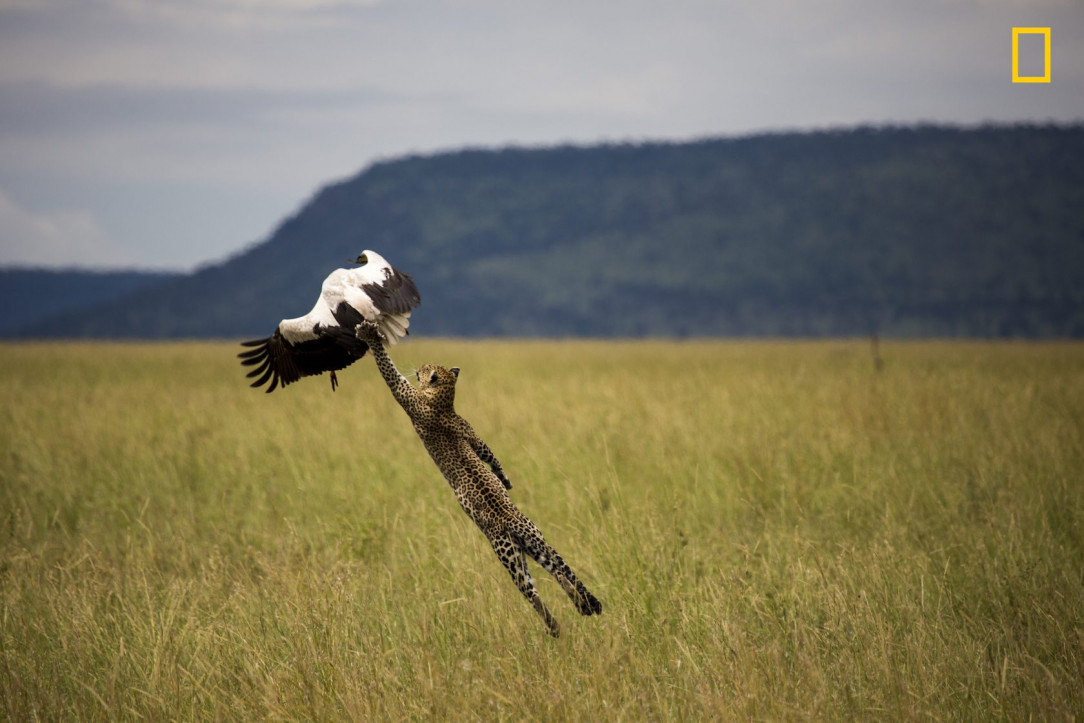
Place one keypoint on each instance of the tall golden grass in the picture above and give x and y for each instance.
(776, 530)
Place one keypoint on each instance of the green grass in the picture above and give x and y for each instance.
(775, 531)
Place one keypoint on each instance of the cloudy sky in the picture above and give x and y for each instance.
(170, 133)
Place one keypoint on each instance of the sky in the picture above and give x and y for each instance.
(168, 134)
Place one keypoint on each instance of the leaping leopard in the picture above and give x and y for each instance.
(476, 477)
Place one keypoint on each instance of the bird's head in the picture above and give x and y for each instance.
(370, 257)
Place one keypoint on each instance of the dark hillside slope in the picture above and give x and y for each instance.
(28, 295)
(909, 231)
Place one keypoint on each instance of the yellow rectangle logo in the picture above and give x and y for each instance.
(1016, 77)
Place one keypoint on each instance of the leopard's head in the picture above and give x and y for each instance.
(436, 384)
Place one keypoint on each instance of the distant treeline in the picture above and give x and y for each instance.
(28, 295)
(915, 231)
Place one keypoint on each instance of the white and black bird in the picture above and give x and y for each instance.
(323, 340)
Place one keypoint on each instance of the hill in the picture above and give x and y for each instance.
(907, 231)
(27, 295)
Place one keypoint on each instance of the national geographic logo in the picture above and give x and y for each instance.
(1030, 54)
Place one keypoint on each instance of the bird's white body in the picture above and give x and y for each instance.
(348, 285)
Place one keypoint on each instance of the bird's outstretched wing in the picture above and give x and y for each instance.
(395, 293)
(280, 362)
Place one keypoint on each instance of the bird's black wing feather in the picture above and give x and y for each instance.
(280, 362)
(396, 294)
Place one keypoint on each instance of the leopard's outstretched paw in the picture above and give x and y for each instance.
(369, 332)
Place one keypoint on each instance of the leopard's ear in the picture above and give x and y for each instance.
(455, 370)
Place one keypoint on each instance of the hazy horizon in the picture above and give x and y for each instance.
(169, 135)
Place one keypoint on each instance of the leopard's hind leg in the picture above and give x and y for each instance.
(537, 547)
(512, 557)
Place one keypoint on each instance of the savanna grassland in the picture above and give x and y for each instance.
(776, 531)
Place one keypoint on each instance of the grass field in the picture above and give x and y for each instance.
(776, 531)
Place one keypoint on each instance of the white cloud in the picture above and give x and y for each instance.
(58, 238)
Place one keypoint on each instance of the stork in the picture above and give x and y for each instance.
(307, 346)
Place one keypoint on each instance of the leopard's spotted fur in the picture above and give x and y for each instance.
(462, 458)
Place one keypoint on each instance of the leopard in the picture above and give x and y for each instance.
(476, 477)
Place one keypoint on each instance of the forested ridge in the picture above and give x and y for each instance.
(28, 295)
(912, 231)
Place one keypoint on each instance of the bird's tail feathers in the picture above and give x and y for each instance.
(394, 326)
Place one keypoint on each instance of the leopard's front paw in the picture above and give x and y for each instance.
(369, 333)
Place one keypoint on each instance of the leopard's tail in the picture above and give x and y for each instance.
(582, 598)
(547, 557)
